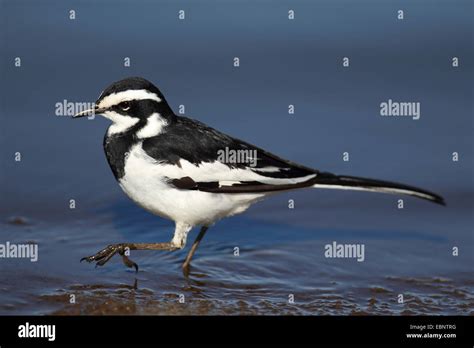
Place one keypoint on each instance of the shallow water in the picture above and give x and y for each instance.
(276, 260)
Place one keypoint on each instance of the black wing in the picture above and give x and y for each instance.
(192, 141)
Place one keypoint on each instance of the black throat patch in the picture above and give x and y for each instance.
(117, 147)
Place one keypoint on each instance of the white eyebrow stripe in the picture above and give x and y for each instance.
(134, 94)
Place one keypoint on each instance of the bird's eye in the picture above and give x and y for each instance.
(124, 105)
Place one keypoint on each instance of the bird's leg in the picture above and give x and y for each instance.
(193, 250)
(103, 256)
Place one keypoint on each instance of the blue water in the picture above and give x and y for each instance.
(408, 251)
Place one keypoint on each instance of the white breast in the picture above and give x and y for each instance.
(145, 183)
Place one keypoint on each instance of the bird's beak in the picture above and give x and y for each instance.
(90, 112)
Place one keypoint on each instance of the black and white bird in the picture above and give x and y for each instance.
(172, 166)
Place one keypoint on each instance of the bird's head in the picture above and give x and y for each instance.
(132, 102)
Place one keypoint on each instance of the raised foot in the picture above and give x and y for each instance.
(123, 249)
(103, 256)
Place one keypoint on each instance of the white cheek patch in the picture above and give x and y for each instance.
(120, 122)
(134, 94)
(154, 126)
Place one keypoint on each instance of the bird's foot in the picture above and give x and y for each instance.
(103, 256)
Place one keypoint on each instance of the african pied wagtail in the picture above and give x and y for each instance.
(170, 166)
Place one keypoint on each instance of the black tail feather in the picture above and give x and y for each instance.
(327, 180)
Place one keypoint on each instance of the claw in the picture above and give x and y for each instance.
(104, 255)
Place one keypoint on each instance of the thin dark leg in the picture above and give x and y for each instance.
(103, 256)
(193, 250)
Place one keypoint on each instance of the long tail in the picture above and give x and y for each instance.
(331, 181)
